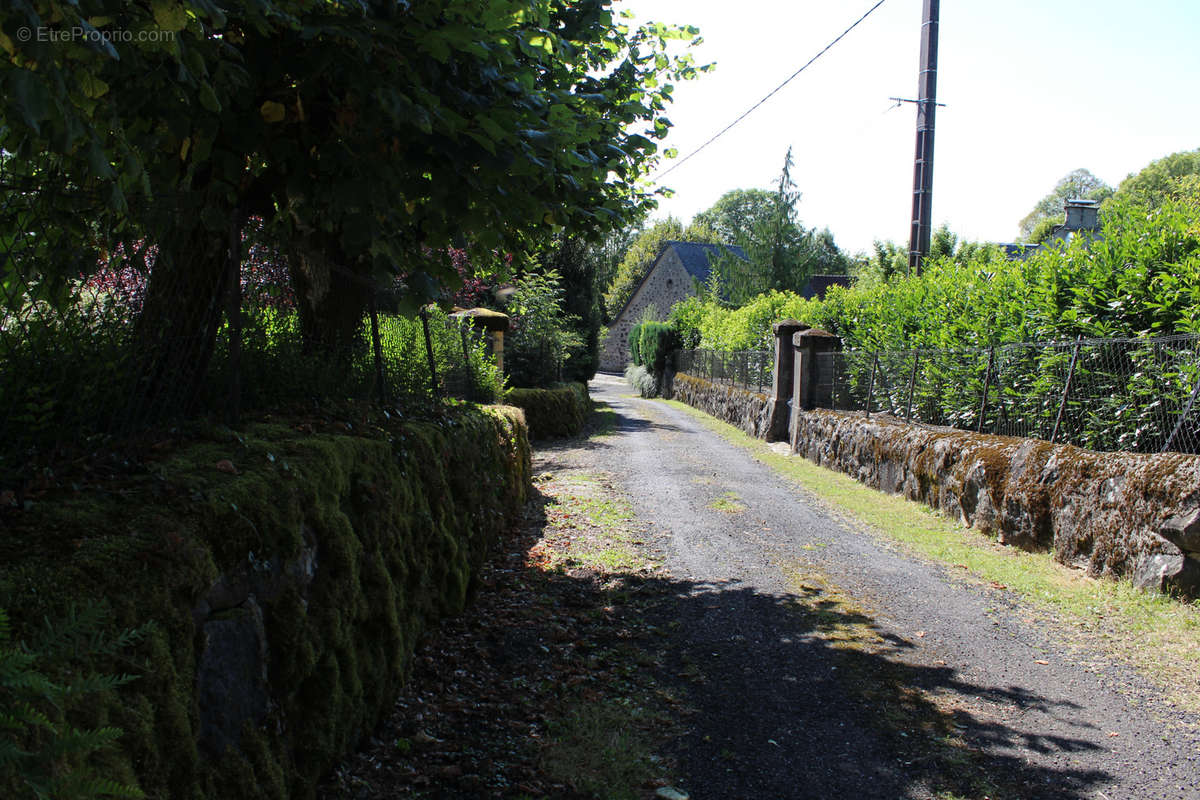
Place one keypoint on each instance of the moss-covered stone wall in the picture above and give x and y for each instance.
(560, 410)
(1120, 514)
(749, 411)
(288, 571)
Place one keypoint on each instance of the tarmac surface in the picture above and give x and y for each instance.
(827, 663)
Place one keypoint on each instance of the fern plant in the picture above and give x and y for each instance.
(42, 755)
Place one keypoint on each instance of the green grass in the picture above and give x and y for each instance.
(602, 525)
(1157, 635)
(601, 749)
(728, 503)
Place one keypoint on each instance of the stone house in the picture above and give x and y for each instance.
(676, 274)
(1082, 219)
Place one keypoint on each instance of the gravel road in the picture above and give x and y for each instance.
(825, 663)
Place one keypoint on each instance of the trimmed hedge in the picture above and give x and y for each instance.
(560, 410)
(288, 574)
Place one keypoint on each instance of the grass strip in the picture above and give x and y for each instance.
(1157, 635)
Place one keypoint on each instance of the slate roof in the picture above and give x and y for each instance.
(697, 258)
(818, 285)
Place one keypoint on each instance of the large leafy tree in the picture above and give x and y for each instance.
(1175, 175)
(737, 212)
(368, 135)
(1077, 184)
(782, 253)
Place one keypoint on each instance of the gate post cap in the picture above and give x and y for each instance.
(787, 327)
(810, 336)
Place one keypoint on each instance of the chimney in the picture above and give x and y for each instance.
(1082, 215)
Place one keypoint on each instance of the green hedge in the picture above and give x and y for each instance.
(560, 410)
(328, 551)
(635, 344)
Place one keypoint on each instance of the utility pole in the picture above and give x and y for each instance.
(918, 243)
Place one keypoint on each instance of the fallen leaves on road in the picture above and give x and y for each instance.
(539, 689)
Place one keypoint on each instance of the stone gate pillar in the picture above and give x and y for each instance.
(781, 382)
(807, 345)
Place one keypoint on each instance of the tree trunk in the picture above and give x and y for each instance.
(331, 301)
(175, 334)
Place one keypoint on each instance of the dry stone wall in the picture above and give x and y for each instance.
(288, 570)
(749, 411)
(1118, 514)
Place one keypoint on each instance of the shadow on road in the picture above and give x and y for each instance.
(787, 702)
(781, 696)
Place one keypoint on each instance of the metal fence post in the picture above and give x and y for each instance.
(234, 257)
(1182, 417)
(433, 379)
(987, 384)
(871, 383)
(1066, 389)
(912, 382)
(377, 349)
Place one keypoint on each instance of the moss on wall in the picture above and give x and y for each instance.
(321, 560)
(749, 411)
(1116, 514)
(559, 410)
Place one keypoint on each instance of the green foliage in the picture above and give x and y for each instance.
(67, 375)
(543, 338)
(1141, 277)
(656, 341)
(559, 410)
(401, 513)
(635, 344)
(43, 754)
(1170, 176)
(1076, 185)
(781, 253)
(737, 213)
(641, 255)
(581, 264)
(369, 138)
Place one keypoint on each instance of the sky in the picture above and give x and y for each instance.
(1033, 89)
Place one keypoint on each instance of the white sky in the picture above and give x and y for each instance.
(1033, 89)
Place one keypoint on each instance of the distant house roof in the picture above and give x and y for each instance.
(818, 285)
(697, 257)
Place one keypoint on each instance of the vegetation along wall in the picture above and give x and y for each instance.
(1117, 514)
(287, 572)
(560, 410)
(749, 411)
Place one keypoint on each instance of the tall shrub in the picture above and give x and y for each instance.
(657, 341)
(635, 345)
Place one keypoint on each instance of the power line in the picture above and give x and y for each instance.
(770, 94)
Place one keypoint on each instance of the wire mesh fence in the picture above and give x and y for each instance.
(101, 337)
(746, 369)
(1131, 394)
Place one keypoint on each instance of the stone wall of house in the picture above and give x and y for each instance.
(1119, 514)
(667, 284)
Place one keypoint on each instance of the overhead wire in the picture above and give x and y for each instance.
(769, 94)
